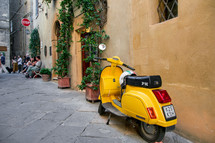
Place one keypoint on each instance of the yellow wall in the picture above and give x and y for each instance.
(182, 51)
(76, 63)
(118, 28)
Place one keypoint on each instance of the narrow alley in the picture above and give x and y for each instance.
(33, 111)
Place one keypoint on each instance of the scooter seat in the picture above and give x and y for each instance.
(144, 81)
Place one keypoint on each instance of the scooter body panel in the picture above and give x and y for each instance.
(135, 102)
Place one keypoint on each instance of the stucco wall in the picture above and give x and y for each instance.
(75, 51)
(118, 28)
(45, 23)
(181, 50)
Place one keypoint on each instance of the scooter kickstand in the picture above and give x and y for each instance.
(108, 119)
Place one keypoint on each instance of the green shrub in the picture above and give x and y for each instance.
(66, 16)
(94, 20)
(45, 71)
(34, 45)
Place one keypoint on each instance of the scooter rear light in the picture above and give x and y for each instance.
(162, 96)
(151, 113)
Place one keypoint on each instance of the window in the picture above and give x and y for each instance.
(11, 26)
(50, 50)
(45, 51)
(36, 8)
(167, 9)
(57, 28)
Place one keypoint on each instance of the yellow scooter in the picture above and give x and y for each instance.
(138, 97)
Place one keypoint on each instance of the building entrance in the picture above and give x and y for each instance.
(85, 54)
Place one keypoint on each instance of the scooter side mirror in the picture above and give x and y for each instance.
(102, 47)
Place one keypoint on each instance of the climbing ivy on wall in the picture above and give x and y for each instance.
(66, 17)
(93, 21)
(34, 45)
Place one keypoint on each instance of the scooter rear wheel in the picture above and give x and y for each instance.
(101, 109)
(151, 133)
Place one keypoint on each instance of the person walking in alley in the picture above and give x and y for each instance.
(0, 67)
(19, 63)
(2, 59)
(2, 63)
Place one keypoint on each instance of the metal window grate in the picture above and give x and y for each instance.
(36, 8)
(167, 9)
(50, 50)
(45, 51)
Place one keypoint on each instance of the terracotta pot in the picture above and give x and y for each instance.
(64, 82)
(91, 94)
(46, 77)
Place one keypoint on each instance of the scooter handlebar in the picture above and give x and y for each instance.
(105, 59)
(98, 58)
(127, 66)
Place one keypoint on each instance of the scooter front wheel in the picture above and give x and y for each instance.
(151, 133)
(101, 109)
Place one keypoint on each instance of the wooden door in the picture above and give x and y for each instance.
(85, 54)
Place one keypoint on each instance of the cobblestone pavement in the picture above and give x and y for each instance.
(33, 111)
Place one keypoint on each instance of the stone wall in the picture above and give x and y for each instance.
(5, 29)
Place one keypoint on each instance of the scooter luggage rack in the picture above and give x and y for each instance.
(110, 108)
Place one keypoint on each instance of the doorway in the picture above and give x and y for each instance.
(55, 38)
(85, 53)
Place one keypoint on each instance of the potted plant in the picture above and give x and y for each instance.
(90, 82)
(46, 74)
(61, 68)
(94, 18)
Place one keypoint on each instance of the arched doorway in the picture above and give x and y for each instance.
(55, 37)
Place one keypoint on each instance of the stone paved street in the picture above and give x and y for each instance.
(33, 111)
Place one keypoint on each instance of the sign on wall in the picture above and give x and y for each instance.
(25, 22)
(3, 48)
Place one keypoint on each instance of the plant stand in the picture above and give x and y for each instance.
(46, 77)
(91, 95)
(64, 82)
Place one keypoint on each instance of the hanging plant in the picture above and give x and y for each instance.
(94, 18)
(66, 16)
(34, 45)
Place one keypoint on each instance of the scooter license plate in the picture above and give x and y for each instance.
(169, 112)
